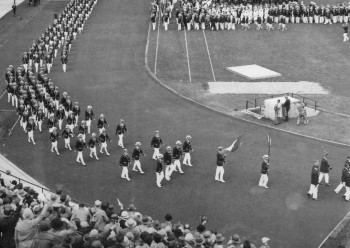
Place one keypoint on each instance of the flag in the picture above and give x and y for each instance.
(235, 145)
(269, 144)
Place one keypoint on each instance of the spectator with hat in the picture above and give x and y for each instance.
(100, 217)
(234, 241)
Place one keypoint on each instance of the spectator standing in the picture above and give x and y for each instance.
(82, 214)
(234, 241)
(286, 106)
(14, 8)
(42, 238)
(7, 226)
(100, 217)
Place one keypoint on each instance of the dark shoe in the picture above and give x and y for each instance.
(309, 195)
(328, 185)
(315, 199)
(320, 183)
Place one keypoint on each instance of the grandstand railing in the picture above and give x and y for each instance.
(36, 186)
(258, 102)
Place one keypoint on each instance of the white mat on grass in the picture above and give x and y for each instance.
(253, 71)
(301, 87)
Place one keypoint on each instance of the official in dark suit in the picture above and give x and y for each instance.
(314, 180)
(286, 106)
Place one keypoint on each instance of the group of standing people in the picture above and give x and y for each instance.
(225, 15)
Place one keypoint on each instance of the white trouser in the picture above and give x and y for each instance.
(25, 66)
(120, 141)
(40, 123)
(328, 21)
(346, 19)
(137, 164)
(187, 159)
(9, 96)
(93, 152)
(51, 129)
(36, 64)
(203, 25)
(76, 120)
(317, 19)
(326, 177)
(153, 26)
(219, 174)
(339, 188)
(31, 136)
(321, 19)
(168, 171)
(156, 153)
(24, 125)
(196, 26)
(64, 67)
(179, 26)
(54, 147)
(347, 193)
(313, 191)
(263, 180)
(60, 121)
(188, 26)
(80, 157)
(177, 165)
(125, 172)
(14, 100)
(165, 25)
(56, 103)
(67, 143)
(48, 65)
(346, 37)
(88, 124)
(71, 127)
(104, 146)
(160, 176)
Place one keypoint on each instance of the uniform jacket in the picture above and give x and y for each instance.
(220, 159)
(136, 154)
(167, 157)
(324, 168)
(124, 160)
(80, 145)
(314, 175)
(187, 146)
(264, 168)
(156, 141)
(177, 153)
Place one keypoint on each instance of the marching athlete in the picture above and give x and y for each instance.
(60, 116)
(102, 123)
(76, 112)
(343, 175)
(30, 130)
(159, 170)
(264, 172)
(120, 131)
(89, 116)
(177, 154)
(54, 138)
(103, 141)
(345, 34)
(83, 129)
(313, 192)
(51, 123)
(66, 134)
(93, 142)
(168, 162)
(324, 170)
(39, 119)
(79, 146)
(136, 157)
(125, 162)
(156, 143)
(187, 149)
(220, 162)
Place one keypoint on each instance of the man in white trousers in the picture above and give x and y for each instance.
(168, 162)
(264, 172)
(53, 138)
(347, 186)
(66, 134)
(89, 116)
(313, 192)
(177, 155)
(187, 149)
(345, 34)
(220, 162)
(125, 162)
(121, 130)
(30, 130)
(324, 170)
(93, 142)
(79, 146)
(159, 170)
(137, 152)
(343, 176)
(156, 144)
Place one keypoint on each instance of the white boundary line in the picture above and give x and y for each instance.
(19, 117)
(211, 64)
(188, 58)
(155, 60)
(3, 94)
(326, 238)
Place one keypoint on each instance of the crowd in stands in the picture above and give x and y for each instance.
(226, 14)
(32, 220)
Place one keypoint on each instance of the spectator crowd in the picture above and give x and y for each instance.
(32, 220)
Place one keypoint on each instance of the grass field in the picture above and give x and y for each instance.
(306, 52)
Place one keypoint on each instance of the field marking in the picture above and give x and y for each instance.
(155, 61)
(19, 117)
(3, 94)
(211, 64)
(188, 58)
(324, 241)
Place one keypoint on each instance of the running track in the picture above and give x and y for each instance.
(106, 70)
